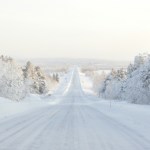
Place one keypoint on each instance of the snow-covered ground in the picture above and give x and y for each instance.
(103, 71)
(133, 117)
(86, 83)
(76, 122)
(12, 108)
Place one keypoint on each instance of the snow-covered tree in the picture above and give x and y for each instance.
(16, 82)
(38, 81)
(112, 86)
(133, 85)
(12, 84)
(139, 60)
(137, 85)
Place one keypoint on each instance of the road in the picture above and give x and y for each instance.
(71, 124)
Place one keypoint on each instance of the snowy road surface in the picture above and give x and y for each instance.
(71, 124)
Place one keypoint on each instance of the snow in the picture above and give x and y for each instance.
(101, 71)
(75, 122)
(11, 108)
(86, 83)
(132, 85)
(132, 116)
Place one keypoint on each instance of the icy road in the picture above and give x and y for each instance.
(73, 123)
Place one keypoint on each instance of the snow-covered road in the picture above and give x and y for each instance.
(73, 123)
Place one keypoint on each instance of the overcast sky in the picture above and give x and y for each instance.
(105, 29)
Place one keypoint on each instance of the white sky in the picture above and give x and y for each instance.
(105, 29)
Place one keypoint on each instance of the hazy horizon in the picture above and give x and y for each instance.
(107, 30)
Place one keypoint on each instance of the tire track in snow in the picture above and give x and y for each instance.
(22, 137)
(21, 126)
